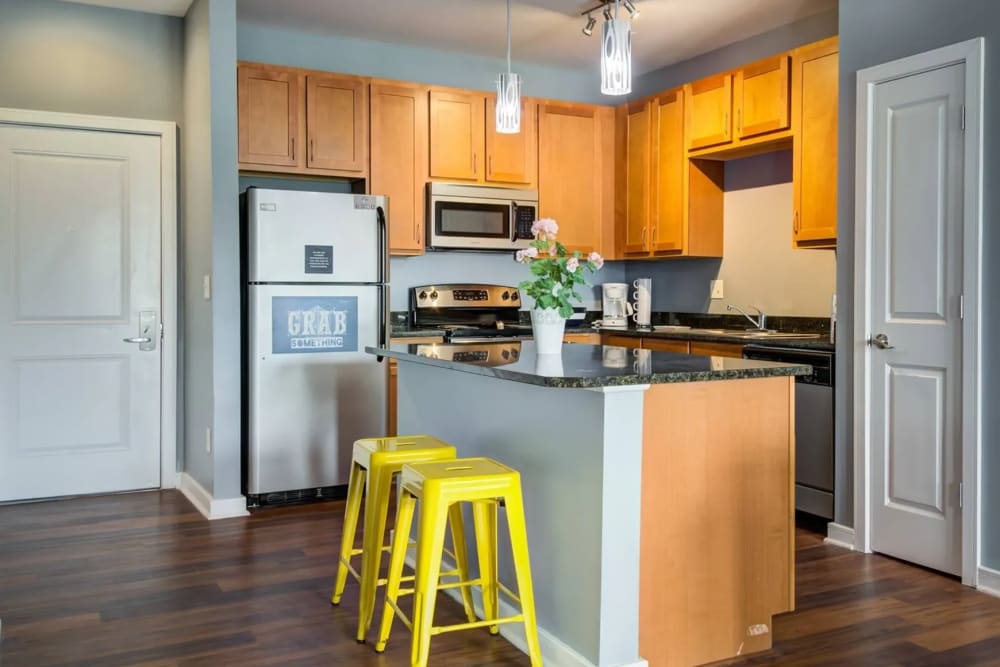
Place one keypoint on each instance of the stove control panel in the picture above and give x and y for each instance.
(464, 296)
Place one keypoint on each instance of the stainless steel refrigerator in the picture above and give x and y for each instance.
(316, 293)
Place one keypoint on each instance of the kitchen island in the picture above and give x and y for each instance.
(658, 489)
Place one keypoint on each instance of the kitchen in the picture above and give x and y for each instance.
(725, 245)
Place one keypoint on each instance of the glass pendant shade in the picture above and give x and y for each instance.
(616, 57)
(509, 103)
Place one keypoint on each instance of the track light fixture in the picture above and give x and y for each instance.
(616, 45)
(630, 7)
(588, 29)
(607, 14)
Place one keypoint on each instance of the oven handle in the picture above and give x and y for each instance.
(487, 339)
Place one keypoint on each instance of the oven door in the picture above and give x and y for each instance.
(476, 224)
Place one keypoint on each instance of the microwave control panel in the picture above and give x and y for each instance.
(524, 217)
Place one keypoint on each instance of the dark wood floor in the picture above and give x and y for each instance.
(142, 579)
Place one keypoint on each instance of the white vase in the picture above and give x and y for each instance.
(549, 365)
(548, 326)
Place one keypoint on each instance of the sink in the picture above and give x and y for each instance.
(739, 333)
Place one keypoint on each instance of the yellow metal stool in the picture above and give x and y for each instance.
(376, 461)
(441, 486)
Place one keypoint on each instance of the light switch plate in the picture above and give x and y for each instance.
(206, 286)
(716, 287)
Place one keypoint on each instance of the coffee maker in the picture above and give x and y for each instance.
(617, 308)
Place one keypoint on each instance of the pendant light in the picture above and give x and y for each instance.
(616, 55)
(508, 94)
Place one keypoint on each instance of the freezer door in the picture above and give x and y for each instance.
(313, 390)
(314, 237)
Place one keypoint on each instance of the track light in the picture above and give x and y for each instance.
(588, 30)
(607, 14)
(633, 12)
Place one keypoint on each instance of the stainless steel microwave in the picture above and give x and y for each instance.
(477, 217)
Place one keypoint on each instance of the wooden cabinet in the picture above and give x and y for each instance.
(666, 345)
(512, 158)
(587, 338)
(337, 123)
(621, 341)
(392, 371)
(762, 97)
(669, 205)
(269, 102)
(734, 350)
(295, 121)
(399, 159)
(814, 155)
(576, 173)
(457, 134)
(709, 111)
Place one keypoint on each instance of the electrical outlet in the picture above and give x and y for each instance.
(208, 439)
(206, 287)
(716, 287)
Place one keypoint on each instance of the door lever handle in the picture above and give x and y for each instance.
(140, 340)
(881, 341)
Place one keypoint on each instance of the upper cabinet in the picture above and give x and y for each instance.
(814, 156)
(762, 97)
(270, 109)
(337, 122)
(669, 164)
(709, 111)
(465, 145)
(576, 173)
(296, 121)
(399, 157)
(638, 176)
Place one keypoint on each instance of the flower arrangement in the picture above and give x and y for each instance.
(557, 271)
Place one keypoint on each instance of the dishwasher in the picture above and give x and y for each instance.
(814, 448)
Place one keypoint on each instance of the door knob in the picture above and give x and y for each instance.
(140, 340)
(881, 341)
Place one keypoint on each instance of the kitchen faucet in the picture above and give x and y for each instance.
(760, 323)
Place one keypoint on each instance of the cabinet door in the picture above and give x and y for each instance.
(269, 110)
(666, 345)
(457, 135)
(762, 97)
(734, 350)
(669, 191)
(709, 106)
(814, 155)
(512, 158)
(337, 123)
(639, 145)
(585, 338)
(399, 136)
(570, 172)
(621, 341)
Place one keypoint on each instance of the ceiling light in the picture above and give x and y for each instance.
(633, 12)
(508, 106)
(616, 55)
(607, 14)
(589, 29)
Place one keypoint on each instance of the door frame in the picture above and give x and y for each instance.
(167, 133)
(970, 53)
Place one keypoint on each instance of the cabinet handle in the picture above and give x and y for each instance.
(293, 149)
(489, 166)
(652, 235)
(725, 123)
(312, 150)
(795, 224)
(643, 237)
(475, 163)
(739, 120)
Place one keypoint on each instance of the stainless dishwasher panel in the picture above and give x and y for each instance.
(814, 449)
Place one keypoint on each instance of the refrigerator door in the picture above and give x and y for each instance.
(313, 390)
(314, 237)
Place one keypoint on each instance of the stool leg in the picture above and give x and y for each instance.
(461, 556)
(485, 514)
(355, 488)
(522, 570)
(430, 544)
(376, 509)
(397, 556)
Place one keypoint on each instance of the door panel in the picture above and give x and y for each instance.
(337, 122)
(80, 237)
(916, 282)
(637, 178)
(668, 214)
(268, 116)
(512, 158)
(457, 135)
(709, 103)
(762, 104)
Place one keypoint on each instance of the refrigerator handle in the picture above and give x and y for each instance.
(383, 276)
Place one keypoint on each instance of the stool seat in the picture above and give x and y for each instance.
(465, 480)
(376, 463)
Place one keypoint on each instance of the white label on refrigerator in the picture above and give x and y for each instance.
(364, 202)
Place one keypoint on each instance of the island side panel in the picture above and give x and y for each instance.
(717, 518)
(561, 441)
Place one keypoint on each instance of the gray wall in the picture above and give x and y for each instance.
(872, 33)
(58, 56)
(211, 247)
(810, 29)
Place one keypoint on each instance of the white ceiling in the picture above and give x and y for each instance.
(544, 31)
(169, 7)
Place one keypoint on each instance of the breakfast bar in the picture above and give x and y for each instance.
(658, 489)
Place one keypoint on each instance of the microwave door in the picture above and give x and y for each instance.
(472, 224)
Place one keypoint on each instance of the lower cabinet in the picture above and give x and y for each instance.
(392, 369)
(666, 345)
(586, 338)
(734, 350)
(621, 341)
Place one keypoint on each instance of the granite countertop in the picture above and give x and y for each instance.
(585, 366)
(822, 342)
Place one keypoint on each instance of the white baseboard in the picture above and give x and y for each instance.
(211, 508)
(554, 652)
(989, 581)
(840, 536)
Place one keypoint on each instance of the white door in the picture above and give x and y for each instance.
(79, 273)
(916, 283)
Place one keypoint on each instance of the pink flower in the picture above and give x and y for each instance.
(572, 264)
(519, 256)
(545, 228)
(552, 250)
(596, 259)
(556, 289)
(531, 252)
